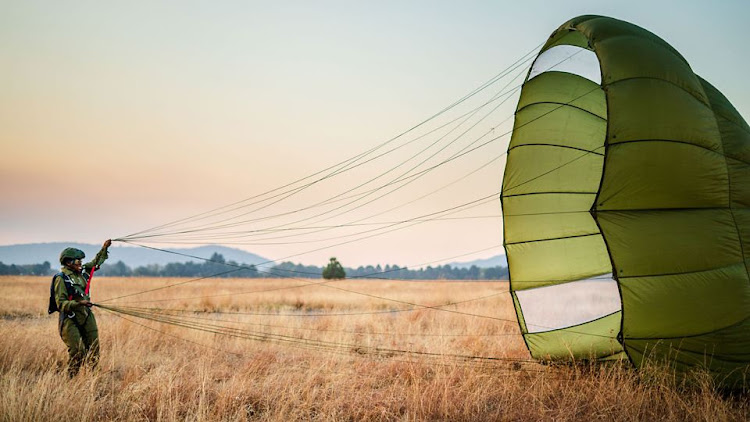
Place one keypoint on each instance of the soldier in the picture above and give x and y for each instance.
(77, 324)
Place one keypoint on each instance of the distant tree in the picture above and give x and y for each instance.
(218, 258)
(118, 269)
(334, 270)
(495, 273)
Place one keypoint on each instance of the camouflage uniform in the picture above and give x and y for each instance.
(77, 325)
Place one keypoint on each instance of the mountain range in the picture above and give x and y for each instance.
(36, 253)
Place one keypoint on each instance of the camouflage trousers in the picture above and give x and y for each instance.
(82, 339)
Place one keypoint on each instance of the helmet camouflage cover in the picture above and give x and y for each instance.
(71, 253)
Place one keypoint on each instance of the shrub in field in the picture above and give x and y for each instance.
(334, 270)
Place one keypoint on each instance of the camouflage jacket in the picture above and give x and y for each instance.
(71, 307)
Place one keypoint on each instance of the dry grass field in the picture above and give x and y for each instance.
(271, 369)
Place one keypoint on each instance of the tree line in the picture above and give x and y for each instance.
(217, 267)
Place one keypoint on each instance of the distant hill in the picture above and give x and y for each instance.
(495, 261)
(35, 253)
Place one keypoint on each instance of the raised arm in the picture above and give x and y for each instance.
(100, 257)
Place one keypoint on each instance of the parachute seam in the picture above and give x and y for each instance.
(555, 145)
(561, 104)
(580, 324)
(554, 238)
(654, 78)
(555, 282)
(735, 324)
(649, 36)
(680, 273)
(681, 142)
(732, 121)
(729, 193)
(548, 193)
(664, 209)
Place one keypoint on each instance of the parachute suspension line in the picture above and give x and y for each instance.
(247, 233)
(323, 330)
(518, 63)
(468, 361)
(326, 284)
(214, 236)
(366, 276)
(238, 269)
(297, 314)
(202, 228)
(232, 235)
(219, 225)
(392, 227)
(395, 300)
(498, 137)
(373, 296)
(419, 175)
(414, 177)
(242, 267)
(408, 303)
(331, 200)
(175, 284)
(412, 307)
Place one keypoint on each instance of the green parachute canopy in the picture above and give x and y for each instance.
(626, 202)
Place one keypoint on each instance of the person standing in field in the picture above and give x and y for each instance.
(77, 325)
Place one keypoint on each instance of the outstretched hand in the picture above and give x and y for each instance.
(107, 243)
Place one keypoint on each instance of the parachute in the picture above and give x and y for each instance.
(626, 201)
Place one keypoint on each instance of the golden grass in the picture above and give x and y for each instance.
(180, 374)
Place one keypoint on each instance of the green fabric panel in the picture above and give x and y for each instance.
(632, 56)
(543, 168)
(735, 132)
(739, 176)
(647, 109)
(564, 88)
(698, 302)
(544, 216)
(555, 125)
(651, 175)
(521, 207)
(566, 37)
(649, 243)
(591, 340)
(600, 29)
(735, 137)
(725, 353)
(742, 217)
(538, 264)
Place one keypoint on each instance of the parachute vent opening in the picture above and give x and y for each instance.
(570, 304)
(569, 59)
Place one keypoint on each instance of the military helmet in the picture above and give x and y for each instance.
(72, 253)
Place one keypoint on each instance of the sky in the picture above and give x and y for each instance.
(116, 117)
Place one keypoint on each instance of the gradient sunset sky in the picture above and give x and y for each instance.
(119, 116)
